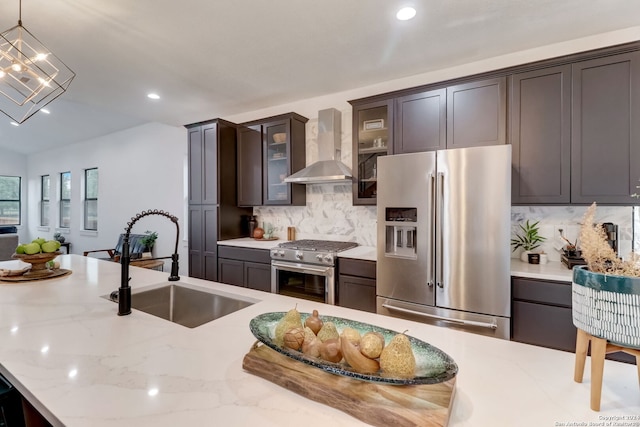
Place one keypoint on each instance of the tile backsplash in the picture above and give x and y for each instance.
(328, 215)
(568, 218)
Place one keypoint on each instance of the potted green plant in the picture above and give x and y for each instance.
(148, 241)
(528, 238)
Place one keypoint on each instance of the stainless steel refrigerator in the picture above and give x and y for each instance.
(443, 252)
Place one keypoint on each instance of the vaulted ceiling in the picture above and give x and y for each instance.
(218, 58)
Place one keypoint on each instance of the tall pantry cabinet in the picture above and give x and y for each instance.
(213, 211)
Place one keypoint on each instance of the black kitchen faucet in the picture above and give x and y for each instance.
(124, 292)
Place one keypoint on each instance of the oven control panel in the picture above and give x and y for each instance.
(301, 256)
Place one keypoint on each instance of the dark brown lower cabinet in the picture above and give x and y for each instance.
(203, 235)
(541, 315)
(245, 267)
(357, 284)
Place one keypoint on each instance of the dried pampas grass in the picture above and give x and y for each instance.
(600, 257)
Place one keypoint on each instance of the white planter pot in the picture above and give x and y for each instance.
(524, 257)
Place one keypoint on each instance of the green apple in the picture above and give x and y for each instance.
(20, 248)
(32, 248)
(39, 240)
(49, 246)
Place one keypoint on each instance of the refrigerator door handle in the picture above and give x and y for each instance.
(446, 319)
(439, 220)
(432, 219)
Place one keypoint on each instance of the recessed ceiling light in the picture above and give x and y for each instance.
(15, 124)
(44, 110)
(153, 96)
(406, 13)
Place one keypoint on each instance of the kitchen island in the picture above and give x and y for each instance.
(66, 350)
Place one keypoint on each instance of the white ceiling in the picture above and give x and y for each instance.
(213, 58)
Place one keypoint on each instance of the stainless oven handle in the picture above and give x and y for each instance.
(446, 319)
(300, 268)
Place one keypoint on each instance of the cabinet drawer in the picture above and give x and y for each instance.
(542, 291)
(244, 254)
(357, 267)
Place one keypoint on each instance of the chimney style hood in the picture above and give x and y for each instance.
(328, 168)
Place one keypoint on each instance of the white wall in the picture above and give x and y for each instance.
(139, 169)
(309, 107)
(14, 164)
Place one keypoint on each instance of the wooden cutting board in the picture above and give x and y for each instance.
(373, 403)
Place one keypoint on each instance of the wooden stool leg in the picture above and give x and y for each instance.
(582, 345)
(598, 351)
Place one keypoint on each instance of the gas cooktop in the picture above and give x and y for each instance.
(310, 251)
(317, 245)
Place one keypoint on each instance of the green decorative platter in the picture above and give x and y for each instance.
(432, 364)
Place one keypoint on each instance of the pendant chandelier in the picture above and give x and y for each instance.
(31, 76)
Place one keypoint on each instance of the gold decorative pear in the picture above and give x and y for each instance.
(289, 321)
(397, 358)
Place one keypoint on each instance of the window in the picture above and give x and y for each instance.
(44, 200)
(65, 199)
(91, 199)
(10, 200)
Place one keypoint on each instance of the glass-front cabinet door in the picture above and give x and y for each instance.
(277, 163)
(372, 130)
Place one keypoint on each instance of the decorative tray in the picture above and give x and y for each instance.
(31, 276)
(262, 239)
(432, 364)
(14, 268)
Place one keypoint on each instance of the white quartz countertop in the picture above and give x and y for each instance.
(553, 270)
(248, 242)
(65, 348)
(367, 253)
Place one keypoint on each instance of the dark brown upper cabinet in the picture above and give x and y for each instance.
(540, 133)
(372, 137)
(283, 145)
(203, 178)
(250, 165)
(283, 152)
(605, 132)
(477, 113)
(421, 122)
(572, 121)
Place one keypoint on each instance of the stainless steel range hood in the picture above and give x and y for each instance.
(328, 168)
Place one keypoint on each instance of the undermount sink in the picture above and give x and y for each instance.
(187, 306)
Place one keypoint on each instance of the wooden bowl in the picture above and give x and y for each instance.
(38, 261)
(279, 137)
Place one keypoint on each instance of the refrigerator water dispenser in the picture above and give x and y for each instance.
(400, 239)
